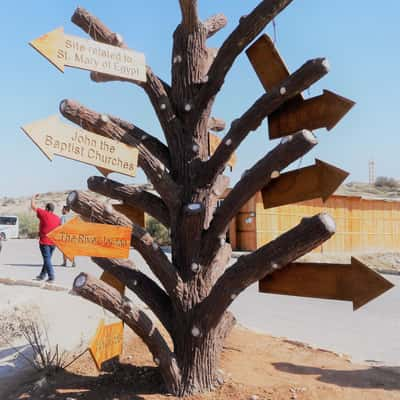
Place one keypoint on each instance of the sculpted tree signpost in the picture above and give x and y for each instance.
(196, 286)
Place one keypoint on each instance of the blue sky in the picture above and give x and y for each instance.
(359, 39)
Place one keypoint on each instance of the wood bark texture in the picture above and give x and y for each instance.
(191, 291)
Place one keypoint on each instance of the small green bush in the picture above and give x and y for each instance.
(159, 232)
(28, 225)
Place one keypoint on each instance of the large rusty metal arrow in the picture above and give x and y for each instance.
(296, 114)
(319, 180)
(347, 282)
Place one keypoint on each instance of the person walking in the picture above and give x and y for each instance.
(47, 222)
(65, 217)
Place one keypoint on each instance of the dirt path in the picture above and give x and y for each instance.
(252, 365)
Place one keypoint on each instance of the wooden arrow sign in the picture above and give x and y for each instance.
(323, 111)
(136, 215)
(111, 280)
(78, 238)
(347, 282)
(107, 343)
(56, 138)
(296, 114)
(66, 50)
(319, 180)
(268, 64)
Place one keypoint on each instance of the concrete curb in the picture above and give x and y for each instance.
(41, 285)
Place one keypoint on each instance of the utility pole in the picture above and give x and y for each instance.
(371, 172)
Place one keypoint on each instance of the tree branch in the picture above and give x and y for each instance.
(145, 288)
(131, 195)
(151, 151)
(214, 24)
(100, 293)
(156, 89)
(251, 182)
(190, 16)
(300, 80)
(247, 30)
(92, 209)
(306, 236)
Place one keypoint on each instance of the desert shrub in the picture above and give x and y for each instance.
(384, 181)
(27, 323)
(28, 225)
(159, 232)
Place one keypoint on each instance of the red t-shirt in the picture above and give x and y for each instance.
(48, 222)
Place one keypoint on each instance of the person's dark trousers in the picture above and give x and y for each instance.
(47, 252)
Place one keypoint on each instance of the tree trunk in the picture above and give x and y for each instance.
(198, 355)
(196, 286)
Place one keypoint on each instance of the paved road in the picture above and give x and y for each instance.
(371, 333)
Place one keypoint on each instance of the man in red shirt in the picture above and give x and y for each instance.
(48, 222)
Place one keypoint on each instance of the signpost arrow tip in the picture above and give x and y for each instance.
(37, 130)
(339, 106)
(331, 178)
(50, 46)
(370, 284)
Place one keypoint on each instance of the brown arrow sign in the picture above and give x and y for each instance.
(268, 64)
(347, 282)
(319, 180)
(296, 114)
(323, 111)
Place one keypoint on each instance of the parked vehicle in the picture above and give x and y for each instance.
(9, 227)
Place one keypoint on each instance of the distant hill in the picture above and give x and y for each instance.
(369, 191)
(21, 205)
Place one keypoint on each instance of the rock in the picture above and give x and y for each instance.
(254, 397)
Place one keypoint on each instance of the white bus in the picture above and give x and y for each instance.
(9, 227)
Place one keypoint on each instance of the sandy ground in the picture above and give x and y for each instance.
(370, 334)
(254, 366)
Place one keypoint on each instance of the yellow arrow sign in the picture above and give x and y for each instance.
(107, 343)
(348, 282)
(78, 238)
(66, 50)
(56, 138)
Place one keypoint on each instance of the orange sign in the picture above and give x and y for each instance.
(214, 142)
(134, 214)
(107, 343)
(111, 280)
(78, 238)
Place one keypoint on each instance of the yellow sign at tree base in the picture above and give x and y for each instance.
(107, 343)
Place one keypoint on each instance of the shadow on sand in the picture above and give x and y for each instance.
(126, 382)
(387, 378)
